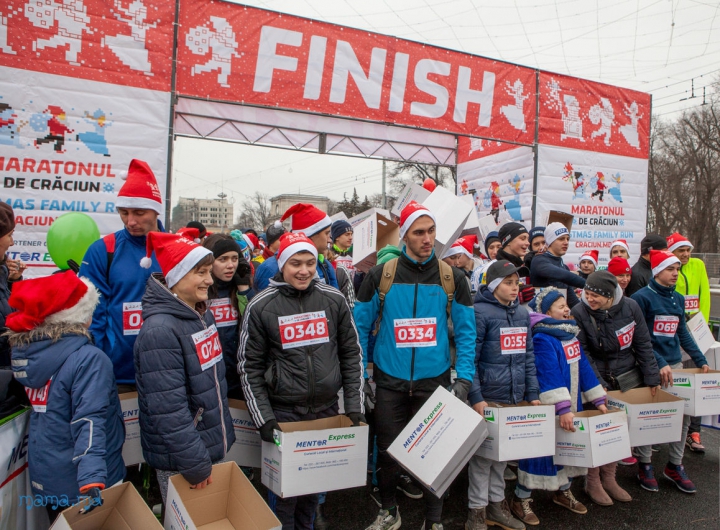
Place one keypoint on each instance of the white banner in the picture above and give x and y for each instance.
(500, 182)
(65, 145)
(606, 193)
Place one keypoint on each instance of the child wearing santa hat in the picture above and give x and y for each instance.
(619, 248)
(76, 428)
(185, 422)
(460, 254)
(588, 263)
(298, 348)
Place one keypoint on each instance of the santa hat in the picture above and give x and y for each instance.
(291, 244)
(463, 245)
(676, 241)
(140, 189)
(252, 240)
(411, 213)
(618, 266)
(620, 243)
(190, 233)
(590, 255)
(661, 260)
(59, 298)
(306, 218)
(177, 255)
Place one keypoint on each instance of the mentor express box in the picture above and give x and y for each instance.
(439, 440)
(132, 449)
(651, 419)
(518, 431)
(315, 456)
(700, 391)
(598, 439)
(246, 449)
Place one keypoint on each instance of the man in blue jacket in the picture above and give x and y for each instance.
(409, 364)
(316, 225)
(549, 270)
(664, 310)
(112, 265)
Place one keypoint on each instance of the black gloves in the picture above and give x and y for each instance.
(526, 294)
(94, 499)
(356, 418)
(460, 389)
(242, 275)
(266, 431)
(369, 396)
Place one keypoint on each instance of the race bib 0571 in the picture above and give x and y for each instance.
(224, 312)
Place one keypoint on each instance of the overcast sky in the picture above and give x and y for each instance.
(656, 46)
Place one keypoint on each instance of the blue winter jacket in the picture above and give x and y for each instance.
(416, 293)
(508, 378)
(655, 301)
(185, 422)
(269, 268)
(78, 440)
(547, 270)
(123, 285)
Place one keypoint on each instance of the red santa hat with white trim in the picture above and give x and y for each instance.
(463, 245)
(590, 255)
(676, 241)
(252, 240)
(306, 218)
(620, 243)
(190, 233)
(661, 260)
(291, 244)
(411, 213)
(140, 190)
(176, 254)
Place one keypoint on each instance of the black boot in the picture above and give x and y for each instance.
(321, 523)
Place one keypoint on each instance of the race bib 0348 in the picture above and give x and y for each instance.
(415, 332)
(303, 329)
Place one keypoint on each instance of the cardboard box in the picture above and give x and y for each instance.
(713, 359)
(451, 213)
(556, 216)
(700, 391)
(518, 431)
(370, 235)
(651, 419)
(700, 331)
(359, 218)
(316, 456)
(472, 225)
(598, 439)
(411, 192)
(231, 502)
(439, 440)
(246, 451)
(123, 509)
(132, 450)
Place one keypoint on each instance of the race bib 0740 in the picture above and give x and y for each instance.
(625, 335)
(224, 312)
(39, 396)
(572, 350)
(207, 347)
(513, 340)
(303, 329)
(132, 318)
(415, 332)
(692, 303)
(665, 325)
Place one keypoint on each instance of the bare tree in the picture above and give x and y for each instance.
(403, 172)
(256, 212)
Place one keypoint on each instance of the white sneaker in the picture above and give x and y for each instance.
(385, 521)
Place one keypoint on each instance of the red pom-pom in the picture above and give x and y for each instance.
(429, 184)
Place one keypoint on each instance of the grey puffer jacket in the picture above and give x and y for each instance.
(600, 340)
(300, 377)
(185, 423)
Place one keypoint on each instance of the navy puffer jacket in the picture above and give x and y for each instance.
(5, 310)
(185, 422)
(509, 377)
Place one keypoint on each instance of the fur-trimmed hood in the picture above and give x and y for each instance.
(560, 329)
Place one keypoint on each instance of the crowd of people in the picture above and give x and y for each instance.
(283, 321)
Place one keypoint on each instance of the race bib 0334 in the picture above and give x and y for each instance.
(415, 332)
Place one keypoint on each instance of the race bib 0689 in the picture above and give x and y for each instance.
(665, 325)
(224, 312)
(303, 329)
(513, 340)
(207, 347)
(415, 332)
(132, 318)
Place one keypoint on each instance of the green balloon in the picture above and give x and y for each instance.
(70, 236)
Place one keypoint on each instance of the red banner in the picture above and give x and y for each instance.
(590, 116)
(123, 42)
(475, 148)
(236, 53)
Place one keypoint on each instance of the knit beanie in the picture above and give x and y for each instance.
(652, 242)
(7, 219)
(202, 231)
(554, 231)
(536, 231)
(273, 233)
(510, 231)
(490, 239)
(602, 283)
(340, 227)
(223, 246)
(544, 299)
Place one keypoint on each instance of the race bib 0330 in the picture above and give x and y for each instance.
(665, 325)
(132, 318)
(415, 332)
(207, 347)
(303, 329)
(692, 303)
(513, 340)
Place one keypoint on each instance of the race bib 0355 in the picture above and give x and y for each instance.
(513, 340)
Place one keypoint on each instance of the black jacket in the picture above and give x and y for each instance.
(641, 276)
(601, 343)
(5, 310)
(185, 422)
(303, 378)
(229, 333)
(518, 262)
(549, 270)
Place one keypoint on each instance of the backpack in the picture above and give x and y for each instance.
(388, 276)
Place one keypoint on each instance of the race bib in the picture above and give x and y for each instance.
(224, 312)
(347, 262)
(39, 397)
(625, 335)
(415, 332)
(572, 350)
(665, 326)
(692, 303)
(513, 340)
(132, 318)
(207, 347)
(303, 329)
